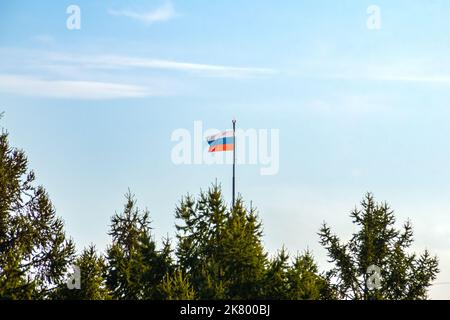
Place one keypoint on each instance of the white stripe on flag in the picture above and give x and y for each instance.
(224, 134)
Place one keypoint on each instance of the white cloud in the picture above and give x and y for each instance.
(26, 85)
(62, 75)
(164, 13)
(114, 62)
(46, 59)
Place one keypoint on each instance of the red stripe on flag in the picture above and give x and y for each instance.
(221, 147)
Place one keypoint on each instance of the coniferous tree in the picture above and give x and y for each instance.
(34, 250)
(199, 241)
(243, 258)
(176, 286)
(135, 268)
(304, 282)
(220, 249)
(93, 284)
(275, 278)
(300, 280)
(378, 244)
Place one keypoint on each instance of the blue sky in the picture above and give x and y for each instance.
(358, 110)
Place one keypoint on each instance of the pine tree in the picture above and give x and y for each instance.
(93, 284)
(243, 257)
(135, 268)
(34, 250)
(220, 249)
(378, 243)
(275, 278)
(199, 237)
(176, 286)
(304, 281)
(297, 281)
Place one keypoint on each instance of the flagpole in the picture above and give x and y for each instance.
(234, 157)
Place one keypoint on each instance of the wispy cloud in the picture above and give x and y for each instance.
(61, 60)
(114, 62)
(164, 13)
(52, 74)
(92, 90)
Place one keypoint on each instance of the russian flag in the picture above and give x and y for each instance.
(223, 141)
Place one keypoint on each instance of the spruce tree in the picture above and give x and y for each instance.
(243, 257)
(34, 250)
(219, 248)
(135, 267)
(304, 282)
(199, 234)
(299, 280)
(275, 277)
(378, 244)
(93, 284)
(176, 286)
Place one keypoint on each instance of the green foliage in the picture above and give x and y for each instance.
(243, 258)
(34, 250)
(176, 286)
(305, 282)
(220, 249)
(404, 275)
(135, 267)
(93, 285)
(222, 252)
(275, 278)
(299, 281)
(199, 237)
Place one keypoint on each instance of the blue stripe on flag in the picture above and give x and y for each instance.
(221, 141)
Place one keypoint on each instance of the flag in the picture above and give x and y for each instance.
(223, 141)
